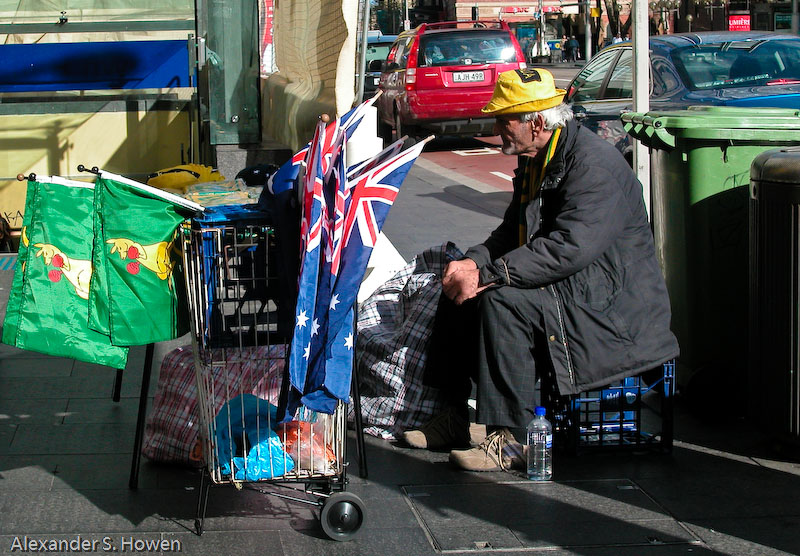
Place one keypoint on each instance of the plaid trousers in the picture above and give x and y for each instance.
(496, 341)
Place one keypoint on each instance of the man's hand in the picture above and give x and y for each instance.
(456, 266)
(461, 285)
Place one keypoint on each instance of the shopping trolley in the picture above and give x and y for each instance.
(240, 349)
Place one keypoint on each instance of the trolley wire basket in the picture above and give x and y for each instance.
(240, 354)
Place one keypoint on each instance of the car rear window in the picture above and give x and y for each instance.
(464, 48)
(377, 51)
(738, 64)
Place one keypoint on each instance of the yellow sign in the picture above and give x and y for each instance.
(595, 12)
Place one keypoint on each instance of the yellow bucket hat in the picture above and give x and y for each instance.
(524, 90)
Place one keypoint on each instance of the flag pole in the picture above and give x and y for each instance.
(93, 169)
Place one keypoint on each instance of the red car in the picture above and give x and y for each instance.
(438, 76)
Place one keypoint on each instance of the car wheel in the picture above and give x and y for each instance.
(385, 132)
(400, 130)
(397, 132)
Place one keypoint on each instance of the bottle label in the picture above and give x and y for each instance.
(540, 438)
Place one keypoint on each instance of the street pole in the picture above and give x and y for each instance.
(795, 17)
(641, 91)
(587, 20)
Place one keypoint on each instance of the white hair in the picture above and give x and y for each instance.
(555, 117)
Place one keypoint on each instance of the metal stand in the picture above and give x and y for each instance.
(133, 483)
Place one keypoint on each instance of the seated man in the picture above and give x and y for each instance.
(568, 286)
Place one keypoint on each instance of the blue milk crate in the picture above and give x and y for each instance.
(632, 413)
(231, 251)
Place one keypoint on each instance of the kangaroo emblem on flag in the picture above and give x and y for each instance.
(77, 271)
(153, 257)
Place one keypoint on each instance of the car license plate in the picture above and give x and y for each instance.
(467, 76)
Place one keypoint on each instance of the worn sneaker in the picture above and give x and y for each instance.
(449, 429)
(499, 451)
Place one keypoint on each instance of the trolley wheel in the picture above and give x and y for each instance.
(342, 516)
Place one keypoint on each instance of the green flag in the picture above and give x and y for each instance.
(48, 303)
(137, 293)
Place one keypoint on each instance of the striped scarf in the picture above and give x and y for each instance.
(534, 179)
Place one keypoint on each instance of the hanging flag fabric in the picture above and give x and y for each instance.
(370, 163)
(363, 202)
(369, 199)
(311, 244)
(137, 294)
(317, 354)
(48, 303)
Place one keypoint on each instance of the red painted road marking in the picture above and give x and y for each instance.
(483, 164)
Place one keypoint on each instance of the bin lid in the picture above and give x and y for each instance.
(777, 166)
(728, 123)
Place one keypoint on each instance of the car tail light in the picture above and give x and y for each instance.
(411, 79)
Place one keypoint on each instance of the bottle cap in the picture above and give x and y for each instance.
(540, 411)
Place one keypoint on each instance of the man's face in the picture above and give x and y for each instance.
(521, 138)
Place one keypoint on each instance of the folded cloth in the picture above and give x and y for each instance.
(394, 329)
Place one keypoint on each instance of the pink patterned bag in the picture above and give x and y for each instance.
(172, 433)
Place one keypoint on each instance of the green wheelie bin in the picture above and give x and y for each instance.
(700, 172)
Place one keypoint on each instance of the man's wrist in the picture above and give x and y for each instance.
(488, 276)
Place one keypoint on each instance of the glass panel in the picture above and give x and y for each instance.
(232, 71)
(377, 51)
(738, 64)
(620, 84)
(459, 48)
(47, 11)
(591, 78)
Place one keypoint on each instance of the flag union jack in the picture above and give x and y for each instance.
(361, 210)
(344, 210)
(370, 194)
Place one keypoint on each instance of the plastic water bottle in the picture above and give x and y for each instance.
(540, 447)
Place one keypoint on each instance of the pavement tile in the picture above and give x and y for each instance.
(388, 542)
(102, 410)
(87, 511)
(50, 411)
(103, 438)
(751, 536)
(253, 543)
(41, 367)
(26, 473)
(66, 387)
(7, 432)
(97, 471)
(524, 514)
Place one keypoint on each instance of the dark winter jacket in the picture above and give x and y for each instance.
(607, 315)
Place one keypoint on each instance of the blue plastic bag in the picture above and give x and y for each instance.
(248, 432)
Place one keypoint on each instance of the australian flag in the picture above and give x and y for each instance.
(324, 330)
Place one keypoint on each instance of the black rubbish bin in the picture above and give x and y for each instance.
(774, 277)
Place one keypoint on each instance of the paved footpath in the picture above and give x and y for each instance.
(65, 456)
